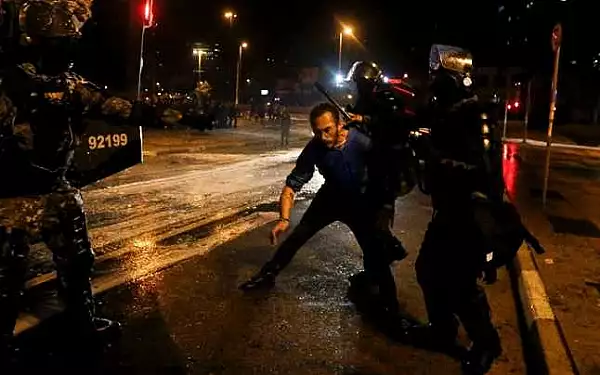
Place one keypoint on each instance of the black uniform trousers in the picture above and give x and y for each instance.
(59, 219)
(328, 206)
(448, 268)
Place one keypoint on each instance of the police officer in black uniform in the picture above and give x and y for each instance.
(380, 112)
(41, 108)
(463, 167)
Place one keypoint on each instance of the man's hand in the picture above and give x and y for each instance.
(279, 228)
(356, 118)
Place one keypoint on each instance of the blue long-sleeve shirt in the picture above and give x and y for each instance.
(344, 168)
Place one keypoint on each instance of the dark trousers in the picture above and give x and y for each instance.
(60, 220)
(448, 268)
(329, 206)
(285, 135)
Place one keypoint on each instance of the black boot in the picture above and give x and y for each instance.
(375, 301)
(106, 328)
(434, 338)
(480, 358)
(264, 279)
(361, 291)
(396, 250)
(475, 314)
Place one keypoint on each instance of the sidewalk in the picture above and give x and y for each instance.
(568, 227)
(569, 134)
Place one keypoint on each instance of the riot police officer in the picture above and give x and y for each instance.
(41, 109)
(380, 112)
(462, 168)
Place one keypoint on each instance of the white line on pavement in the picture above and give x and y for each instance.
(533, 142)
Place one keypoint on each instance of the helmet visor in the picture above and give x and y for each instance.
(450, 58)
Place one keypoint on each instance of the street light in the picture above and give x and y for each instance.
(243, 46)
(199, 52)
(148, 22)
(230, 16)
(347, 31)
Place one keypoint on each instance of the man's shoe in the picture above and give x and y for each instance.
(431, 338)
(93, 330)
(263, 280)
(106, 327)
(396, 250)
(479, 360)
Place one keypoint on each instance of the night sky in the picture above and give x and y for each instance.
(397, 34)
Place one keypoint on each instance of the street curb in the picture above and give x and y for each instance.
(551, 353)
(534, 143)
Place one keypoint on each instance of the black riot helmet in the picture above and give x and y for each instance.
(366, 75)
(50, 28)
(450, 72)
(43, 19)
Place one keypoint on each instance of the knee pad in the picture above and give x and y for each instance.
(71, 246)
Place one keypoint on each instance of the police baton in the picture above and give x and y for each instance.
(331, 100)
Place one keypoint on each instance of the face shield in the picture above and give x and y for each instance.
(455, 61)
(366, 75)
(450, 72)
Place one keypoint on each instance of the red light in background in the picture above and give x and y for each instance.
(510, 167)
(148, 13)
(509, 106)
(517, 104)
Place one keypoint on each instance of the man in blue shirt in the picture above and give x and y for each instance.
(341, 156)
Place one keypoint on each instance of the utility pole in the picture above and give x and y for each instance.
(556, 44)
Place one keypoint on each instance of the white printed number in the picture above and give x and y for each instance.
(96, 142)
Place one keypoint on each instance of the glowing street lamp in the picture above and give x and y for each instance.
(199, 52)
(243, 46)
(230, 16)
(347, 30)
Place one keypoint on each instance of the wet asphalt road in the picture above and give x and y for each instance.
(191, 318)
(188, 178)
(188, 317)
